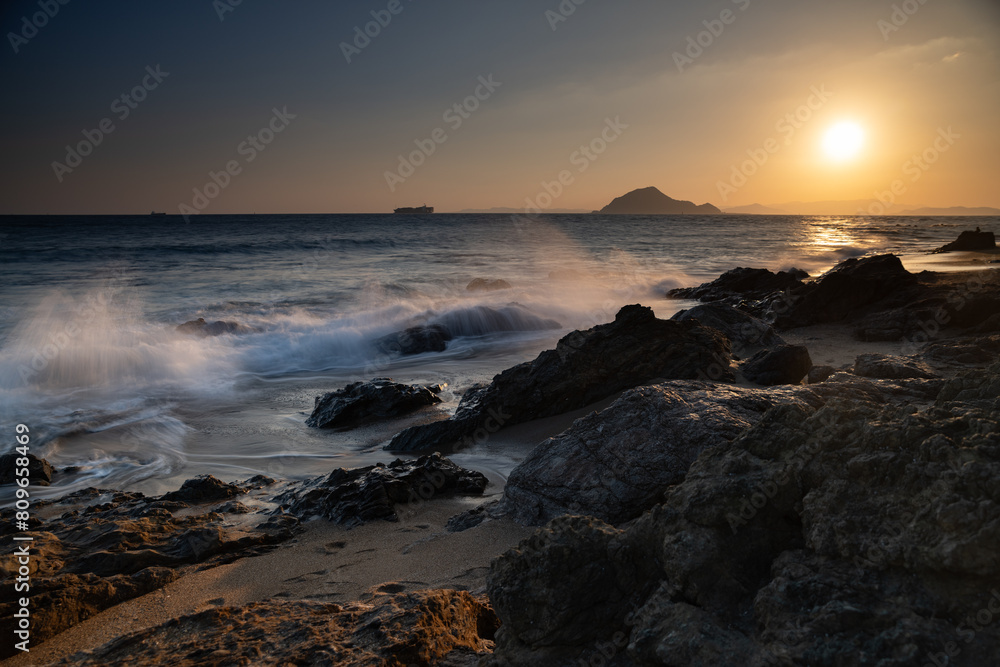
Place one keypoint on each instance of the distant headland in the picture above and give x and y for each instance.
(650, 201)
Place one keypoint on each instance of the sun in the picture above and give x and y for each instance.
(844, 141)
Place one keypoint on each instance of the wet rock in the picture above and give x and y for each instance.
(819, 374)
(434, 627)
(484, 285)
(786, 364)
(357, 496)
(364, 402)
(747, 334)
(743, 283)
(585, 367)
(205, 488)
(889, 367)
(616, 464)
(847, 290)
(203, 329)
(40, 471)
(971, 240)
(415, 340)
(855, 527)
(109, 547)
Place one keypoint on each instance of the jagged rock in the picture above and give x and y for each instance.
(890, 367)
(415, 340)
(846, 290)
(40, 471)
(484, 285)
(364, 402)
(203, 329)
(786, 364)
(585, 367)
(616, 464)
(433, 627)
(100, 554)
(819, 374)
(747, 334)
(856, 531)
(205, 488)
(971, 240)
(357, 496)
(743, 283)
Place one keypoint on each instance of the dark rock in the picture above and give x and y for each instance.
(616, 464)
(203, 489)
(856, 531)
(364, 402)
(889, 367)
(845, 291)
(743, 283)
(974, 240)
(482, 320)
(585, 367)
(203, 329)
(354, 497)
(484, 285)
(40, 471)
(786, 364)
(434, 627)
(111, 547)
(415, 340)
(819, 374)
(747, 334)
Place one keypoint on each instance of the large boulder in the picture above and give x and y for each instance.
(616, 464)
(364, 402)
(845, 291)
(415, 340)
(747, 333)
(855, 531)
(39, 470)
(785, 364)
(742, 283)
(432, 627)
(356, 496)
(971, 240)
(585, 367)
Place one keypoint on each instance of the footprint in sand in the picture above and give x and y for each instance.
(307, 577)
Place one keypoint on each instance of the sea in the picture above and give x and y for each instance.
(115, 397)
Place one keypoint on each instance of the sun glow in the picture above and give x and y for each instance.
(844, 141)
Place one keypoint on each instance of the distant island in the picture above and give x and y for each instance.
(650, 201)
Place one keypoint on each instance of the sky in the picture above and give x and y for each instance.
(240, 106)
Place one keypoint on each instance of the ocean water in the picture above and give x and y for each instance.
(91, 361)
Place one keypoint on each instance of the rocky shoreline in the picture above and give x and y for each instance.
(744, 498)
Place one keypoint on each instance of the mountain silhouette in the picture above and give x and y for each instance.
(650, 201)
